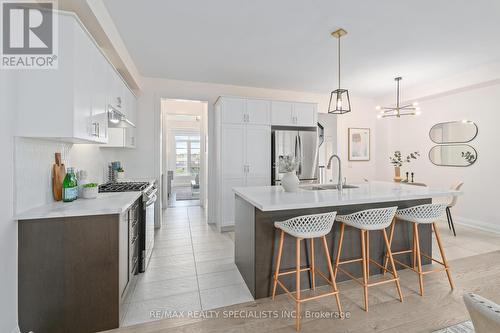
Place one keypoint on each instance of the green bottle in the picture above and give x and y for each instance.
(69, 186)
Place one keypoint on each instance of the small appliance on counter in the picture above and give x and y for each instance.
(147, 218)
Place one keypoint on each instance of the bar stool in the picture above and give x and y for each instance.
(423, 214)
(366, 221)
(302, 227)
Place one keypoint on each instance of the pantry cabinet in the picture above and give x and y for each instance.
(70, 103)
(242, 151)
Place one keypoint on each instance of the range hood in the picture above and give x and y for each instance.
(116, 118)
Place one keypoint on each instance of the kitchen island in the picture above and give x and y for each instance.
(256, 240)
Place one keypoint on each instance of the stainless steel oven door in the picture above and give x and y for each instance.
(149, 229)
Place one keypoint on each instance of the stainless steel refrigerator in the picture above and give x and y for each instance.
(302, 144)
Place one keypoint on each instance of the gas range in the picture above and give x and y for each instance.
(123, 186)
(147, 217)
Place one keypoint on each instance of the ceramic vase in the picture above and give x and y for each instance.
(290, 182)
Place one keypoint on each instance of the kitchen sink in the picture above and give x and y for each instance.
(323, 187)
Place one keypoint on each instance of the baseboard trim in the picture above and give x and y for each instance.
(476, 224)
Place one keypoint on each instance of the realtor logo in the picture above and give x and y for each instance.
(28, 35)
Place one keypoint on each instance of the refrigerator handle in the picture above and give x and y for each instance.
(299, 154)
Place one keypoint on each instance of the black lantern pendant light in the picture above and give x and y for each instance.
(339, 98)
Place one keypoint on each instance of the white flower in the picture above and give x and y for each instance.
(288, 163)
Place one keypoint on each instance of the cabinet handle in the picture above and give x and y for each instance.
(94, 129)
(248, 118)
(98, 129)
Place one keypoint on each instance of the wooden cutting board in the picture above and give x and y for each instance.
(58, 174)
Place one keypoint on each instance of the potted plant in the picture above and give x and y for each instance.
(120, 173)
(397, 161)
(90, 190)
(289, 165)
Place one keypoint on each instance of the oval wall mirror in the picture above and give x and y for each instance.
(453, 155)
(453, 132)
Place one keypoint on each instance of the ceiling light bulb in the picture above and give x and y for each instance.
(379, 116)
(464, 121)
(417, 108)
(418, 113)
(339, 102)
(378, 107)
(415, 103)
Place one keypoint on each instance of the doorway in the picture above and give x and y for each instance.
(184, 128)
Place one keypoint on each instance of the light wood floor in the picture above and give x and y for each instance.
(437, 309)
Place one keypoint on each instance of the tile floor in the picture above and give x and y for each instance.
(192, 268)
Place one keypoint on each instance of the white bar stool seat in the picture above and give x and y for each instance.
(306, 227)
(368, 220)
(422, 214)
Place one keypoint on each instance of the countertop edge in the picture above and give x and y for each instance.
(278, 207)
(32, 215)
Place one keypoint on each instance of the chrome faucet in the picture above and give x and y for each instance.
(340, 185)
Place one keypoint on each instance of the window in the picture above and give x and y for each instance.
(187, 154)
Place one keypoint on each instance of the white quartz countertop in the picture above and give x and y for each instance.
(270, 198)
(104, 204)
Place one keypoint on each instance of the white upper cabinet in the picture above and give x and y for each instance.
(69, 103)
(246, 111)
(305, 114)
(293, 114)
(233, 111)
(282, 113)
(258, 112)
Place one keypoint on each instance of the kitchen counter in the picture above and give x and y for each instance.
(273, 198)
(256, 239)
(104, 204)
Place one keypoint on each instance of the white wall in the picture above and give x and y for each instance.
(8, 227)
(361, 116)
(478, 104)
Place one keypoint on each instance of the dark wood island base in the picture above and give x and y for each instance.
(256, 243)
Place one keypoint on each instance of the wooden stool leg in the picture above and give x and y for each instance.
(443, 257)
(365, 273)
(330, 270)
(391, 235)
(297, 302)
(419, 259)
(313, 272)
(339, 250)
(391, 259)
(414, 251)
(278, 262)
(367, 240)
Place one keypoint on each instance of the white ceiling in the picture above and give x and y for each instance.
(286, 44)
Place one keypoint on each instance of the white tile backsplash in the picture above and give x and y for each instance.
(33, 160)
